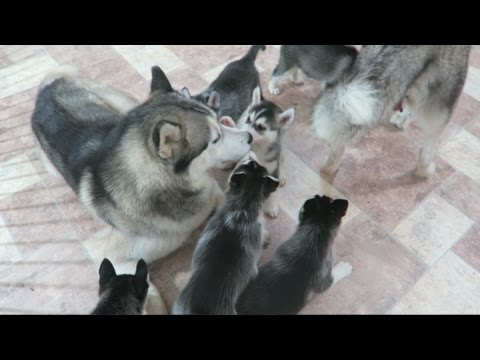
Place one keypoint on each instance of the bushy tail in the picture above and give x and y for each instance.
(252, 53)
(63, 71)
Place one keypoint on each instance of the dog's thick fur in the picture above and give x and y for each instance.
(302, 266)
(229, 248)
(326, 63)
(122, 294)
(429, 77)
(141, 168)
(231, 92)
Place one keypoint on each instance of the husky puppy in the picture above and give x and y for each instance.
(429, 77)
(227, 253)
(143, 171)
(122, 294)
(267, 123)
(326, 63)
(302, 266)
(231, 92)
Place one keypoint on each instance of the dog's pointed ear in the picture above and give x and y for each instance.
(160, 81)
(142, 270)
(257, 96)
(165, 136)
(287, 118)
(185, 92)
(270, 184)
(237, 179)
(106, 272)
(214, 100)
(340, 207)
(141, 277)
(227, 121)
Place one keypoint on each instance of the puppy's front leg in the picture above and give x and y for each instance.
(271, 207)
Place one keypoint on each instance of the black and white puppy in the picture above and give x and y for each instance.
(122, 294)
(231, 92)
(267, 123)
(226, 256)
(326, 63)
(302, 266)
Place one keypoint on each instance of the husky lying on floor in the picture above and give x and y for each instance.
(141, 168)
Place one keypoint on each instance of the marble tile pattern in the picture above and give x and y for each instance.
(414, 244)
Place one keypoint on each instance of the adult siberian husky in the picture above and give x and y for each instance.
(430, 79)
(141, 168)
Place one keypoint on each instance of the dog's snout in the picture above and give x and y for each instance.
(250, 138)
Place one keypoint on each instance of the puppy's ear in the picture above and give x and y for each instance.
(160, 82)
(140, 279)
(237, 179)
(214, 100)
(287, 118)
(257, 96)
(227, 121)
(340, 207)
(185, 92)
(165, 136)
(270, 184)
(142, 270)
(106, 272)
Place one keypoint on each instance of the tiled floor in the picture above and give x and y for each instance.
(414, 245)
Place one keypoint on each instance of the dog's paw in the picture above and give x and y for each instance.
(272, 210)
(400, 120)
(265, 238)
(273, 88)
(341, 271)
(424, 172)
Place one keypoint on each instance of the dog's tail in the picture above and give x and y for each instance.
(252, 53)
(62, 72)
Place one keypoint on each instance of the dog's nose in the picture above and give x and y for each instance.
(250, 138)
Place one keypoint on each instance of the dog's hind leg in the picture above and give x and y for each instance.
(401, 119)
(334, 159)
(432, 123)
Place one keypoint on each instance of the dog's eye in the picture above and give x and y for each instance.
(260, 127)
(217, 139)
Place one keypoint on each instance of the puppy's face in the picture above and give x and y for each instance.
(265, 121)
(323, 210)
(251, 177)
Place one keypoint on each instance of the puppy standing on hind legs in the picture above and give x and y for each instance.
(229, 248)
(267, 124)
(429, 77)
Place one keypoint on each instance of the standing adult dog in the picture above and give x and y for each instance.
(141, 168)
(429, 77)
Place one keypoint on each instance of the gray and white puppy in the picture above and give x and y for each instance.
(122, 294)
(226, 256)
(326, 63)
(302, 266)
(231, 92)
(267, 123)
